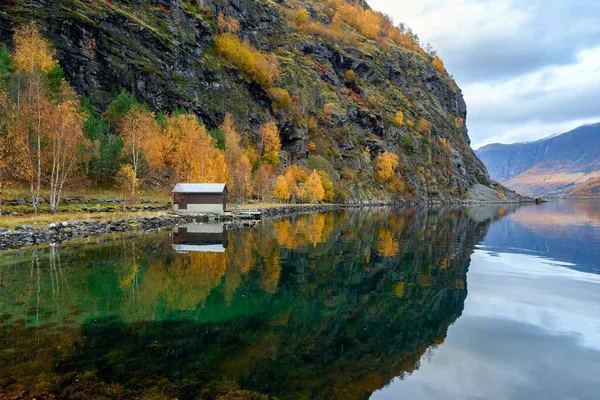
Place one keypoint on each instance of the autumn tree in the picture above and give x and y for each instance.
(126, 182)
(270, 144)
(263, 177)
(34, 56)
(327, 184)
(143, 139)
(280, 190)
(12, 157)
(312, 190)
(386, 164)
(65, 142)
(197, 158)
(33, 52)
(240, 176)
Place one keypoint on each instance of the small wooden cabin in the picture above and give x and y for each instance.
(200, 198)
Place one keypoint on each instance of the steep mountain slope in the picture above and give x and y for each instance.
(566, 164)
(345, 90)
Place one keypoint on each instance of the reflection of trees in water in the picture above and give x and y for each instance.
(315, 306)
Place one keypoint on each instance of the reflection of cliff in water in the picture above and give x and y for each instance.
(319, 306)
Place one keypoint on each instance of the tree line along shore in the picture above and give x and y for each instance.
(54, 143)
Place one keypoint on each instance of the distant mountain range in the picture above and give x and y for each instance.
(560, 165)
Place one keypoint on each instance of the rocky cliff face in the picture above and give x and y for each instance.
(566, 164)
(163, 52)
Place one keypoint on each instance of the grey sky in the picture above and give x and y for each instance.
(528, 69)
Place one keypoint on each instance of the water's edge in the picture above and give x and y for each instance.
(58, 232)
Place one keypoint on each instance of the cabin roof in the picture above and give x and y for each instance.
(200, 188)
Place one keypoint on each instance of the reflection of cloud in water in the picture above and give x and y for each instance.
(563, 231)
(487, 358)
(529, 330)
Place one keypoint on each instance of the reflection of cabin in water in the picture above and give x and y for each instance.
(200, 238)
(198, 198)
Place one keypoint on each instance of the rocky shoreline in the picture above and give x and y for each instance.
(27, 236)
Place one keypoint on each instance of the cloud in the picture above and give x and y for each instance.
(527, 69)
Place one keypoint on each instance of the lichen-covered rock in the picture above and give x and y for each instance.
(163, 52)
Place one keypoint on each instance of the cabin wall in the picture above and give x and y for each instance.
(199, 208)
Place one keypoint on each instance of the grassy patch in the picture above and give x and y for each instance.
(41, 220)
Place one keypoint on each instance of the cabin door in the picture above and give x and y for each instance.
(183, 202)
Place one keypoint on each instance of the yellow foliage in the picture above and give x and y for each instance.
(399, 289)
(312, 190)
(280, 190)
(270, 144)
(328, 190)
(33, 52)
(399, 119)
(312, 147)
(350, 75)
(292, 183)
(126, 181)
(438, 64)
(387, 245)
(410, 124)
(280, 98)
(302, 17)
(262, 68)
(386, 163)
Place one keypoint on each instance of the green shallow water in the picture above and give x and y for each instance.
(317, 306)
(340, 305)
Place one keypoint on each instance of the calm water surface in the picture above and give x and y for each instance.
(481, 302)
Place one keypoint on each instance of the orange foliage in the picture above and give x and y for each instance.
(197, 159)
(263, 177)
(227, 24)
(142, 136)
(238, 164)
(425, 126)
(65, 139)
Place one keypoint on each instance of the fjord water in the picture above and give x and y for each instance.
(480, 302)
(530, 328)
